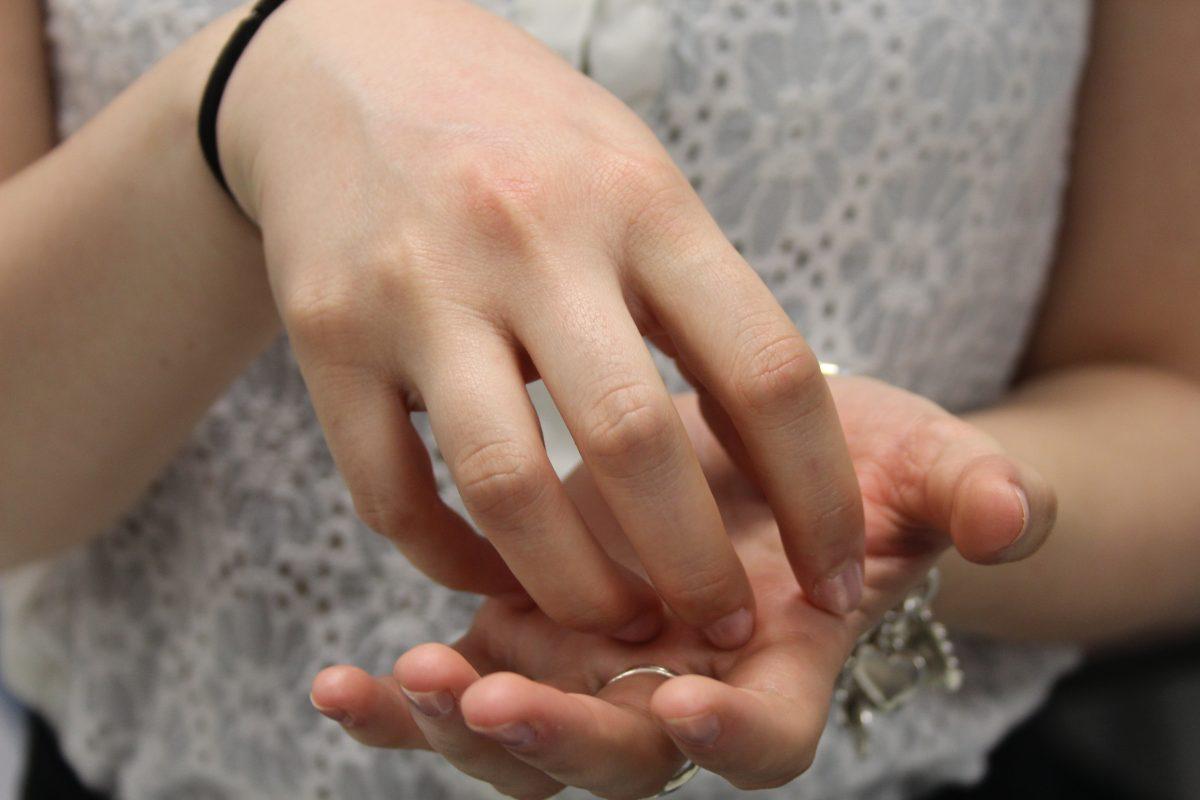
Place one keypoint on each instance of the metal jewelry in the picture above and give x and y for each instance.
(904, 652)
(688, 770)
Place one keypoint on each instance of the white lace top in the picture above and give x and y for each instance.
(892, 168)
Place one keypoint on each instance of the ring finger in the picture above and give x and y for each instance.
(488, 431)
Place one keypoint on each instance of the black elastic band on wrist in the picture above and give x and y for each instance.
(210, 103)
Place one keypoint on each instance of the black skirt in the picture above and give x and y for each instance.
(48, 776)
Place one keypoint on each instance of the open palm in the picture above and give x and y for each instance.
(521, 702)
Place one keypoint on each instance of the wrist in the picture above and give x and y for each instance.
(185, 197)
(197, 59)
(257, 92)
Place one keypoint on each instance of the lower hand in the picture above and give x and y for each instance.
(521, 702)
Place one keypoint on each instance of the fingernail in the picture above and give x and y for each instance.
(641, 629)
(512, 734)
(336, 714)
(431, 704)
(699, 731)
(731, 631)
(842, 592)
(1019, 546)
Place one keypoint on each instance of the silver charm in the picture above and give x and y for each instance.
(891, 662)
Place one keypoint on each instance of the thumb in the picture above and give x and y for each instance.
(996, 508)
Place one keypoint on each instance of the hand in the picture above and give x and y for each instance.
(539, 718)
(449, 210)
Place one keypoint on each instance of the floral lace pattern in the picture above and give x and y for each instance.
(892, 168)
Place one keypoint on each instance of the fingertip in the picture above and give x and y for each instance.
(339, 689)
(494, 700)
(731, 631)
(1002, 517)
(841, 592)
(1039, 509)
(432, 667)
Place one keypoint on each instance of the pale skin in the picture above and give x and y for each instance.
(1107, 408)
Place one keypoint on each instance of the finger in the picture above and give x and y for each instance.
(389, 474)
(752, 737)
(434, 678)
(489, 433)
(733, 336)
(371, 709)
(604, 382)
(591, 742)
(726, 433)
(995, 508)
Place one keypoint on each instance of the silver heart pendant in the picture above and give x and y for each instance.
(886, 680)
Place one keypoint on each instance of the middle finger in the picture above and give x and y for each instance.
(622, 418)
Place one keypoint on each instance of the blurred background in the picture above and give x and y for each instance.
(1124, 727)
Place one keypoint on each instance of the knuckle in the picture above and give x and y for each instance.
(505, 199)
(321, 311)
(658, 203)
(629, 430)
(774, 369)
(334, 311)
(637, 179)
(499, 482)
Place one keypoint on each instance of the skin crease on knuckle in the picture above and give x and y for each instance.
(630, 431)
(774, 370)
(699, 587)
(500, 483)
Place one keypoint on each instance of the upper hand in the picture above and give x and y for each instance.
(539, 717)
(448, 209)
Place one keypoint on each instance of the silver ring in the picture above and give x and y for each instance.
(689, 769)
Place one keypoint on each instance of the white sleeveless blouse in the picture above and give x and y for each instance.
(892, 168)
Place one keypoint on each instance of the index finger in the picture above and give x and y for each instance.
(739, 343)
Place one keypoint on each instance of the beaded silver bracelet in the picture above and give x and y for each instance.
(906, 651)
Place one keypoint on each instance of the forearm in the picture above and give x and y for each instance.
(26, 119)
(131, 293)
(1121, 445)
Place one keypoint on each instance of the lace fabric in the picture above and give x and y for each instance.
(893, 171)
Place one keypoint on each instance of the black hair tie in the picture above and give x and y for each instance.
(210, 103)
